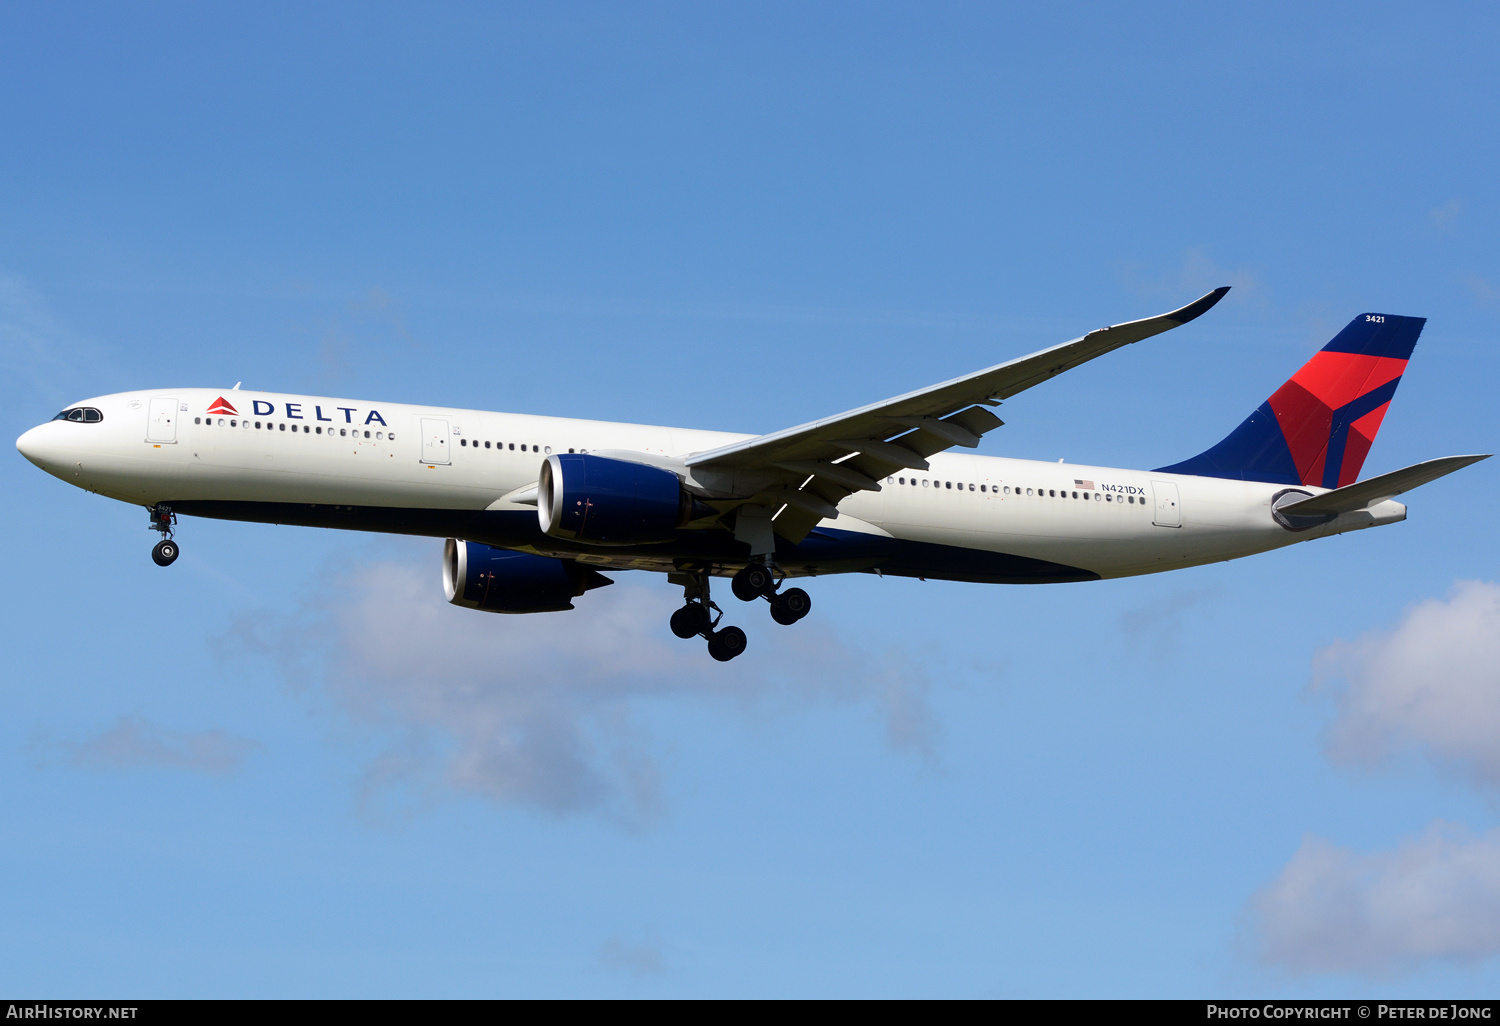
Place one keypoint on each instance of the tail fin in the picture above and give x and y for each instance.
(1318, 427)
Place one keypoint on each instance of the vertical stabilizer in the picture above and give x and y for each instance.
(1318, 427)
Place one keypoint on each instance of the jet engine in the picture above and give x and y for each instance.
(609, 502)
(501, 581)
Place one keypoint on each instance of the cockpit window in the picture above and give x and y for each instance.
(81, 415)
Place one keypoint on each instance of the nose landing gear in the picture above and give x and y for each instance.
(163, 520)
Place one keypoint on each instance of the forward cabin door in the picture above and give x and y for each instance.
(1168, 507)
(161, 420)
(435, 440)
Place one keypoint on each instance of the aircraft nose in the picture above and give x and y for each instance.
(33, 445)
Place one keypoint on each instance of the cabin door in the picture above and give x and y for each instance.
(161, 421)
(1168, 508)
(435, 440)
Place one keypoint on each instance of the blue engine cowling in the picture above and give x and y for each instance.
(609, 502)
(502, 581)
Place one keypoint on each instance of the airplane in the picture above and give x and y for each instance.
(534, 508)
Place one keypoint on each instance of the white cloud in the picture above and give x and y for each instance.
(1484, 293)
(1431, 683)
(543, 709)
(1445, 215)
(133, 743)
(643, 959)
(1197, 274)
(1160, 623)
(1335, 911)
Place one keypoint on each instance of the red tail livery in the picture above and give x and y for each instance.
(1318, 427)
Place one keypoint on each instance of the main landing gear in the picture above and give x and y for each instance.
(696, 619)
(758, 580)
(699, 617)
(163, 520)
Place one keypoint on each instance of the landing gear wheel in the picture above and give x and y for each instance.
(790, 606)
(726, 644)
(690, 621)
(752, 582)
(165, 552)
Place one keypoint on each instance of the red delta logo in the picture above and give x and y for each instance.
(221, 405)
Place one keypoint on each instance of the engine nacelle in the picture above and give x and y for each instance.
(501, 581)
(609, 502)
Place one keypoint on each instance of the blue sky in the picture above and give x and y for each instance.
(285, 767)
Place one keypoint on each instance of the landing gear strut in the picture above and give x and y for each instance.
(696, 618)
(760, 580)
(163, 520)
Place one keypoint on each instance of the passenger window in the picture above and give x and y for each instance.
(343, 432)
(971, 487)
(283, 427)
(196, 420)
(390, 437)
(486, 445)
(513, 447)
(549, 449)
(924, 482)
(367, 434)
(901, 480)
(948, 485)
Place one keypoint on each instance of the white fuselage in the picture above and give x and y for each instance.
(164, 446)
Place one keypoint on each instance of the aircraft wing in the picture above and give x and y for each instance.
(818, 464)
(1364, 494)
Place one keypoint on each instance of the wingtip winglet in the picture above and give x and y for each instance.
(1199, 307)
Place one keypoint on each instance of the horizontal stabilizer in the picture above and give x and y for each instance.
(1377, 489)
